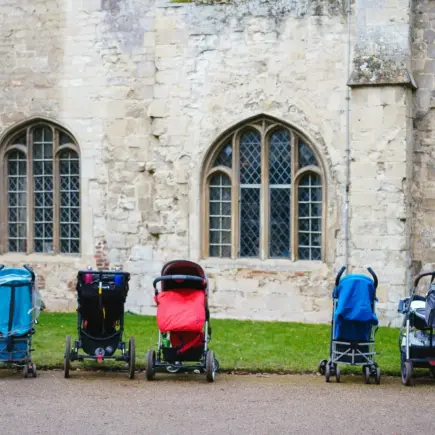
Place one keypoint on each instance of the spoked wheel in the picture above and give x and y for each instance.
(327, 372)
(366, 374)
(337, 373)
(131, 358)
(378, 375)
(321, 367)
(150, 371)
(210, 368)
(67, 357)
(407, 374)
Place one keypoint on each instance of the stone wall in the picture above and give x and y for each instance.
(146, 86)
(423, 195)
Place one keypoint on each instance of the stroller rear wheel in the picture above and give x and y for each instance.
(321, 367)
(337, 374)
(131, 358)
(366, 374)
(67, 357)
(150, 371)
(327, 372)
(407, 374)
(378, 375)
(210, 368)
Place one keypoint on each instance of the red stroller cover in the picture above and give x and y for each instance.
(181, 310)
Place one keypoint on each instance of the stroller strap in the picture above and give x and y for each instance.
(191, 343)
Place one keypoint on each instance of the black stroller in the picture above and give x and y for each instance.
(416, 341)
(101, 296)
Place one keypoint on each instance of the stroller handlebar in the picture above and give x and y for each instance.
(179, 278)
(422, 275)
(30, 270)
(371, 271)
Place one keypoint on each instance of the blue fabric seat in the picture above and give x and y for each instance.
(354, 314)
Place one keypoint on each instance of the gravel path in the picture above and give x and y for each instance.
(101, 403)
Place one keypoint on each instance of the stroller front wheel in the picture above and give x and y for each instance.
(407, 374)
(321, 367)
(210, 367)
(67, 357)
(131, 358)
(150, 371)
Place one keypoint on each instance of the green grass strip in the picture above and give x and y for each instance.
(241, 346)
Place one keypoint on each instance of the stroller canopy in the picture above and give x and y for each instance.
(181, 303)
(354, 315)
(15, 299)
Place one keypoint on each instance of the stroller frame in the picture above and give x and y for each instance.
(26, 363)
(207, 363)
(354, 353)
(73, 354)
(408, 358)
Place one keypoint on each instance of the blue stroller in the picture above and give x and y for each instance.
(19, 309)
(353, 327)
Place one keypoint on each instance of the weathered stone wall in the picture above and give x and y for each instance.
(146, 86)
(423, 194)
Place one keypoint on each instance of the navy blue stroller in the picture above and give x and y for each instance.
(19, 309)
(353, 327)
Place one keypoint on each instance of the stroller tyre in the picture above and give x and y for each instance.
(131, 358)
(26, 371)
(327, 372)
(378, 376)
(150, 371)
(210, 368)
(67, 357)
(321, 367)
(337, 374)
(34, 373)
(407, 374)
(366, 374)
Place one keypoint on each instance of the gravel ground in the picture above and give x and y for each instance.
(101, 403)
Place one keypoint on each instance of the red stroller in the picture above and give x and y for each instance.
(183, 320)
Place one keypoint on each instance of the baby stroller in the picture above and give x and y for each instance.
(416, 344)
(101, 296)
(19, 310)
(354, 324)
(183, 320)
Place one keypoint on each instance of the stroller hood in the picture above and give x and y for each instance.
(355, 295)
(19, 302)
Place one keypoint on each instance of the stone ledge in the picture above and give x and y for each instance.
(375, 71)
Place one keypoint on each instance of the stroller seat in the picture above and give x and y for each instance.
(354, 316)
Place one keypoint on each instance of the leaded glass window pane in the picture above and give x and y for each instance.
(250, 158)
(280, 194)
(310, 217)
(69, 179)
(250, 184)
(17, 201)
(306, 156)
(220, 216)
(225, 157)
(250, 222)
(43, 189)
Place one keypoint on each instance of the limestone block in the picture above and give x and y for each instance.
(141, 253)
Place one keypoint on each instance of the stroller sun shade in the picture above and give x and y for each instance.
(354, 316)
(16, 302)
(181, 303)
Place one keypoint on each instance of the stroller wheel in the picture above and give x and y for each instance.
(321, 367)
(378, 375)
(432, 372)
(67, 357)
(407, 374)
(131, 358)
(337, 373)
(366, 374)
(150, 371)
(26, 371)
(210, 368)
(327, 372)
